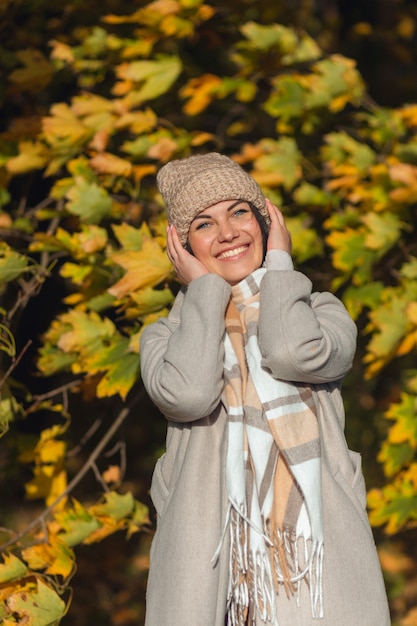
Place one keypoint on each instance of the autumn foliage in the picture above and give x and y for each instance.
(93, 103)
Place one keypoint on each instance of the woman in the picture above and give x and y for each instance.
(260, 505)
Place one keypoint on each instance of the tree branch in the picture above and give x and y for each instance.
(83, 471)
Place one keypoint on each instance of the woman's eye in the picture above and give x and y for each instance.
(240, 212)
(202, 225)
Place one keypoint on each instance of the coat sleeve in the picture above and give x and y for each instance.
(182, 355)
(304, 337)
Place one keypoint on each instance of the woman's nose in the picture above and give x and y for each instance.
(226, 231)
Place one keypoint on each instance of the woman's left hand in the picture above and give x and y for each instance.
(279, 237)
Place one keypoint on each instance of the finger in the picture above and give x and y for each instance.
(275, 214)
(171, 251)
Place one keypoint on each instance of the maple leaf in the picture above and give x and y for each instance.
(36, 72)
(145, 268)
(106, 163)
(12, 568)
(148, 300)
(89, 201)
(39, 605)
(31, 156)
(384, 231)
(280, 165)
(55, 557)
(200, 92)
(404, 414)
(12, 264)
(155, 77)
(75, 524)
(119, 366)
(63, 123)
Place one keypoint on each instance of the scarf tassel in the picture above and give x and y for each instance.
(251, 574)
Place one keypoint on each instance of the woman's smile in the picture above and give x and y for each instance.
(233, 253)
(227, 239)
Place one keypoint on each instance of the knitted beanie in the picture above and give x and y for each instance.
(197, 182)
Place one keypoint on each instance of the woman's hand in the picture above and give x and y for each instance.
(279, 237)
(187, 266)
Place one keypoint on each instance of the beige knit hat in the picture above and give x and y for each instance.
(192, 184)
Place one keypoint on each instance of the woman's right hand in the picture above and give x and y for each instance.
(187, 266)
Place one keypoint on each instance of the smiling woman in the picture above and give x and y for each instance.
(227, 239)
(260, 504)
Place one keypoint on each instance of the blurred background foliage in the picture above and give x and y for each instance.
(318, 100)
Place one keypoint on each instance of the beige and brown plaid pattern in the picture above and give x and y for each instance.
(273, 473)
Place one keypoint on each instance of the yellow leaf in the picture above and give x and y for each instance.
(408, 344)
(61, 51)
(36, 73)
(39, 605)
(12, 568)
(91, 105)
(47, 484)
(112, 474)
(411, 311)
(55, 557)
(106, 163)
(409, 114)
(137, 121)
(87, 330)
(32, 156)
(145, 268)
(52, 451)
(92, 238)
(201, 138)
(200, 93)
(163, 150)
(64, 124)
(140, 171)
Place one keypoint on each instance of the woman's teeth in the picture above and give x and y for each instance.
(231, 253)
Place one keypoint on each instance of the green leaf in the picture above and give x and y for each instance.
(156, 76)
(388, 324)
(286, 100)
(395, 457)
(384, 231)
(12, 264)
(307, 195)
(77, 524)
(115, 505)
(52, 360)
(149, 300)
(294, 49)
(305, 241)
(12, 568)
(40, 607)
(119, 366)
(280, 164)
(89, 201)
(8, 410)
(404, 414)
(350, 254)
(409, 269)
(129, 237)
(365, 296)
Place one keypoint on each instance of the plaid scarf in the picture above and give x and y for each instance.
(273, 474)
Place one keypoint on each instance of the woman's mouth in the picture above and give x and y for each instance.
(229, 254)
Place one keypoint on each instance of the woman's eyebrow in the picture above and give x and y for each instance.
(208, 217)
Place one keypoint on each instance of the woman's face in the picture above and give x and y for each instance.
(227, 239)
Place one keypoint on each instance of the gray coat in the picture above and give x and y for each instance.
(303, 337)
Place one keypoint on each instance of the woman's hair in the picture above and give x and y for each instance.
(262, 225)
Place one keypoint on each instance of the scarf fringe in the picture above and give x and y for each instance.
(254, 584)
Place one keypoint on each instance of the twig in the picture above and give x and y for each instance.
(15, 363)
(80, 475)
